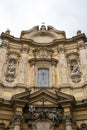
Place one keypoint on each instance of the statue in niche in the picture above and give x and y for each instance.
(74, 68)
(75, 72)
(11, 68)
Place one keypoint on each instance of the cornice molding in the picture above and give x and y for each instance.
(55, 42)
(35, 60)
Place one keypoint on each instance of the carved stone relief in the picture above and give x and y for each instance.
(43, 52)
(74, 66)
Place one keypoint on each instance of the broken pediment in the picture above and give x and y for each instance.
(43, 35)
(40, 96)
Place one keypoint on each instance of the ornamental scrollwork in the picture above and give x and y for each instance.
(43, 52)
(11, 68)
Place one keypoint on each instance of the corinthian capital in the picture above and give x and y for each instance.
(17, 119)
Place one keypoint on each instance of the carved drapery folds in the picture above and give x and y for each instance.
(11, 68)
(74, 66)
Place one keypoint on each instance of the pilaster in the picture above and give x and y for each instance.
(3, 52)
(62, 66)
(23, 66)
(83, 60)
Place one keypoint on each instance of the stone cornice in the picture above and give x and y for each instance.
(52, 60)
(55, 42)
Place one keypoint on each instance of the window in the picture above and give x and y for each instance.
(43, 77)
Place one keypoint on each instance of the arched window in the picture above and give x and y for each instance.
(43, 77)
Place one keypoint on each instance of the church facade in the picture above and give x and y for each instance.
(43, 80)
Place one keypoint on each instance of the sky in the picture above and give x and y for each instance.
(67, 15)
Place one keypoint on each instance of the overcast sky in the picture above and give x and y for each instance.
(67, 15)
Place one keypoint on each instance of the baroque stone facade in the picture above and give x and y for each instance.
(43, 80)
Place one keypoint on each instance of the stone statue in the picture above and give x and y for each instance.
(11, 68)
(31, 110)
(75, 68)
(55, 117)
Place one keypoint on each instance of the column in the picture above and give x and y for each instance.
(68, 123)
(63, 74)
(68, 118)
(17, 121)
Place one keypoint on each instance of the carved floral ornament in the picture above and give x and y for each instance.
(74, 66)
(43, 52)
(12, 61)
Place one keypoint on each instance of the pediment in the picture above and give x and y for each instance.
(50, 96)
(43, 35)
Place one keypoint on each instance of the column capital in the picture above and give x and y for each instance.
(61, 49)
(25, 49)
(17, 119)
(2, 126)
(68, 119)
(68, 122)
